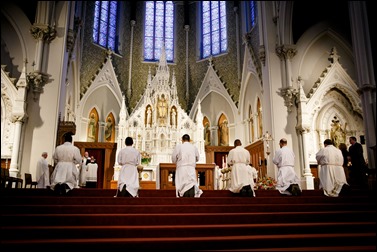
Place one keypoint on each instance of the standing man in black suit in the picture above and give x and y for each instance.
(358, 169)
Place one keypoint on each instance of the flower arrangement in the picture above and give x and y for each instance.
(145, 157)
(266, 183)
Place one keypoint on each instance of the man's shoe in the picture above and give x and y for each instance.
(123, 193)
(296, 190)
(58, 189)
(250, 193)
(244, 191)
(346, 189)
(190, 193)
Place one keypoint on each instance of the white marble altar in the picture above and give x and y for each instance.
(158, 121)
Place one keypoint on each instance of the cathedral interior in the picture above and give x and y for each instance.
(257, 71)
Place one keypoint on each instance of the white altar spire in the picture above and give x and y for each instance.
(163, 72)
(199, 134)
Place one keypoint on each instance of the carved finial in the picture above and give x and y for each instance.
(109, 53)
(334, 57)
(210, 60)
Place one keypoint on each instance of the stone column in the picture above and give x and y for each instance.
(187, 29)
(362, 50)
(129, 91)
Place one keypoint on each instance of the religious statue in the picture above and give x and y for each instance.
(207, 134)
(149, 116)
(173, 117)
(337, 134)
(108, 129)
(92, 128)
(224, 133)
(162, 109)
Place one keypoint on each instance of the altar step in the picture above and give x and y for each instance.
(34, 219)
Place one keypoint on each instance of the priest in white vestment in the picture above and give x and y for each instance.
(43, 172)
(84, 169)
(65, 174)
(185, 156)
(241, 180)
(91, 176)
(129, 158)
(332, 177)
(287, 181)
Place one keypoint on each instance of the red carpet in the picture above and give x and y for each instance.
(92, 219)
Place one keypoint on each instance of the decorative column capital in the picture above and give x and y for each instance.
(285, 52)
(18, 117)
(187, 27)
(43, 32)
(36, 81)
(303, 128)
(289, 94)
(133, 23)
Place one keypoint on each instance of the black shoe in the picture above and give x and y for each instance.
(289, 189)
(190, 193)
(57, 189)
(250, 192)
(245, 191)
(124, 193)
(346, 189)
(296, 190)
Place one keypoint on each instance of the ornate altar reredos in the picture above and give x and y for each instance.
(158, 123)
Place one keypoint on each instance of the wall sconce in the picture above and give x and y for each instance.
(267, 138)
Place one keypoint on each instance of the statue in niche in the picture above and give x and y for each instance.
(162, 109)
(337, 134)
(92, 128)
(149, 116)
(173, 117)
(207, 134)
(224, 133)
(108, 129)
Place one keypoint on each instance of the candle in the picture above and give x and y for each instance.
(260, 161)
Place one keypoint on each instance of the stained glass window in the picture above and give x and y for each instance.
(105, 23)
(214, 36)
(159, 28)
(251, 14)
